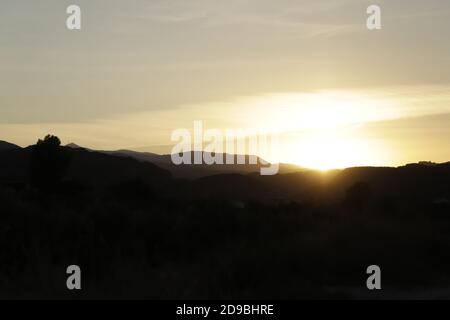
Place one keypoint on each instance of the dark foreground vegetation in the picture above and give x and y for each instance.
(136, 232)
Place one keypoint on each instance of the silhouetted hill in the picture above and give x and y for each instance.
(136, 232)
(195, 171)
(15, 164)
(414, 182)
(86, 166)
(74, 146)
(190, 171)
(4, 146)
(98, 168)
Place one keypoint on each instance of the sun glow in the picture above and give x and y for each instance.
(317, 110)
(332, 149)
(321, 130)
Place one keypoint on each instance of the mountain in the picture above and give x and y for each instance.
(422, 181)
(74, 146)
(194, 171)
(141, 156)
(89, 167)
(4, 146)
(419, 184)
(98, 168)
(190, 171)
(414, 183)
(309, 233)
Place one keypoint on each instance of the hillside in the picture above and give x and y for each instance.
(5, 146)
(305, 234)
(92, 168)
(415, 182)
(194, 171)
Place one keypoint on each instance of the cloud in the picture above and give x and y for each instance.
(257, 13)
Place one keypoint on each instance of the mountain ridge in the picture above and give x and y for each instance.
(4, 145)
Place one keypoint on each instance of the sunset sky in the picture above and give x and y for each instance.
(337, 94)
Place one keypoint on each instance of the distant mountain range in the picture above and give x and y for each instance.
(194, 171)
(422, 182)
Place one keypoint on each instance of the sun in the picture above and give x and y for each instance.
(321, 130)
(331, 149)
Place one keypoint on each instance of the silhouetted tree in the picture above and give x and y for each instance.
(358, 195)
(49, 162)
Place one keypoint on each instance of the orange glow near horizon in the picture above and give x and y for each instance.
(324, 127)
(319, 130)
(331, 150)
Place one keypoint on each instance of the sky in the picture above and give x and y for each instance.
(336, 93)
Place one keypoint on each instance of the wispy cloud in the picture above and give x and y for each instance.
(257, 13)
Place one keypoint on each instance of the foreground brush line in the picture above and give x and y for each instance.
(133, 244)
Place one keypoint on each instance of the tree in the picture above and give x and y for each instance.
(49, 162)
